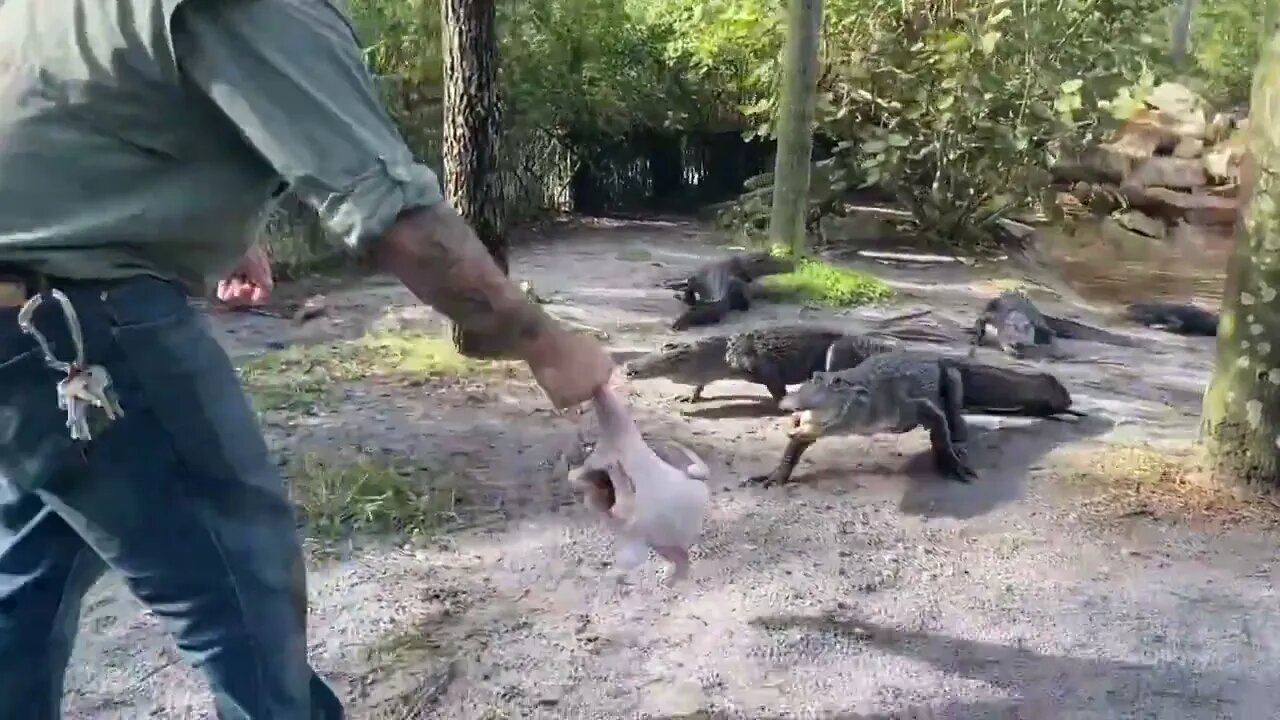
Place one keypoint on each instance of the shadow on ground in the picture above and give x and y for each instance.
(1048, 685)
(1004, 458)
(748, 407)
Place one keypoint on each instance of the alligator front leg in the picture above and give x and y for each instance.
(952, 404)
(786, 466)
(736, 294)
(978, 333)
(771, 379)
(949, 462)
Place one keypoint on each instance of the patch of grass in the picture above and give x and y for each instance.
(371, 496)
(299, 378)
(1165, 481)
(820, 283)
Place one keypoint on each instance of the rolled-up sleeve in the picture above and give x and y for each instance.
(288, 74)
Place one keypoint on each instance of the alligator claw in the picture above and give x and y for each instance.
(963, 473)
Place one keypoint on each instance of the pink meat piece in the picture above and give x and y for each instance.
(650, 502)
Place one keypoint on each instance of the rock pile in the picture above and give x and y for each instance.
(1170, 165)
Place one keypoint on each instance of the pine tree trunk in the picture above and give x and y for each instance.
(795, 124)
(473, 125)
(1241, 415)
(1182, 34)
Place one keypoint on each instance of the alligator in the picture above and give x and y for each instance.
(784, 355)
(774, 356)
(1174, 317)
(1016, 323)
(1019, 325)
(724, 285)
(920, 383)
(893, 392)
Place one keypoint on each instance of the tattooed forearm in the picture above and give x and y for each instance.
(438, 257)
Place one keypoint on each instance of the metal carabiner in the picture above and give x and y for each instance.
(25, 322)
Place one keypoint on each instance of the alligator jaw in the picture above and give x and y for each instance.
(803, 426)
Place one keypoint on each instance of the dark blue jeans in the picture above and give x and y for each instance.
(180, 496)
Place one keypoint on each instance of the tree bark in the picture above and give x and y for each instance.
(473, 125)
(1182, 34)
(795, 124)
(1241, 416)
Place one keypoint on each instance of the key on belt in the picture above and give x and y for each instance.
(84, 387)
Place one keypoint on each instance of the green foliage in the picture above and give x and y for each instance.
(1225, 41)
(959, 110)
(585, 68)
(729, 51)
(956, 109)
(821, 283)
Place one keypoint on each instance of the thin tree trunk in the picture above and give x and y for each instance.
(1182, 33)
(1241, 416)
(795, 125)
(473, 125)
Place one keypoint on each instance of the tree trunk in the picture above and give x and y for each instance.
(473, 125)
(1182, 34)
(1241, 415)
(795, 124)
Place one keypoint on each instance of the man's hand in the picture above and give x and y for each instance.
(569, 366)
(250, 283)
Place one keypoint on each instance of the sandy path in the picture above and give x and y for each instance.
(868, 589)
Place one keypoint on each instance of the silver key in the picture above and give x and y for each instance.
(88, 388)
(85, 386)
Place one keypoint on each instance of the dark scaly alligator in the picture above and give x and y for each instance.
(1174, 317)
(719, 287)
(1018, 326)
(901, 390)
(893, 392)
(1015, 321)
(774, 357)
(790, 354)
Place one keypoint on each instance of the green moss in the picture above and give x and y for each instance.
(298, 378)
(780, 250)
(821, 283)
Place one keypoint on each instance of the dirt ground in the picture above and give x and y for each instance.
(870, 588)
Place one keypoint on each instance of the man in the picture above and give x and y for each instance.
(140, 141)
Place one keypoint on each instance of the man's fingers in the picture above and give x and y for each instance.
(238, 291)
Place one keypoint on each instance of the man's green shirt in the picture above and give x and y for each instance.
(153, 136)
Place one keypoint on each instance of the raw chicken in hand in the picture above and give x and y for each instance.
(651, 503)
